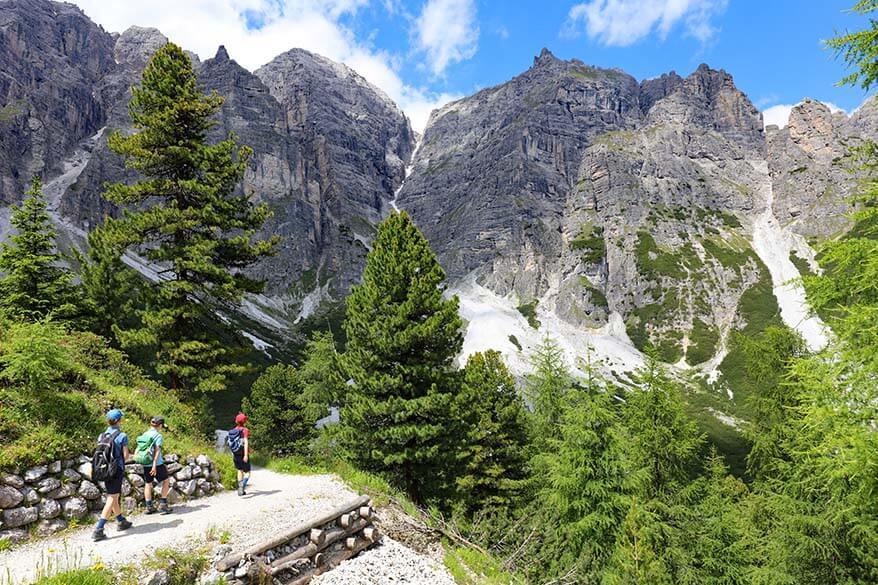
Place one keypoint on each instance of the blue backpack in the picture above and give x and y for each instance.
(235, 440)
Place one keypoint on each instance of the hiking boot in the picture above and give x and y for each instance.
(98, 534)
(165, 509)
(150, 510)
(124, 525)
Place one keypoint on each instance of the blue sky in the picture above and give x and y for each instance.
(425, 52)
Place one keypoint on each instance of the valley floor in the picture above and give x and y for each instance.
(274, 503)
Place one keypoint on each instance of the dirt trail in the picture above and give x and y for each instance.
(273, 503)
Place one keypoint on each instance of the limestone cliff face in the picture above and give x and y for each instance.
(51, 57)
(811, 174)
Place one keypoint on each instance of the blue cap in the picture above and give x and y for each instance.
(114, 415)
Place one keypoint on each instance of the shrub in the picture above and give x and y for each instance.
(34, 354)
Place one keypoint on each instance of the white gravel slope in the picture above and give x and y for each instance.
(274, 502)
(388, 564)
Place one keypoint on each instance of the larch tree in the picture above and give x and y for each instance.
(188, 218)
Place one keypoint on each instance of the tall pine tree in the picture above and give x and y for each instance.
(34, 284)
(402, 338)
(493, 460)
(546, 390)
(187, 217)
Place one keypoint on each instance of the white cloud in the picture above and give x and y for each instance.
(779, 114)
(623, 22)
(447, 32)
(202, 25)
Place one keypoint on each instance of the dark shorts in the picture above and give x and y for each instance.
(161, 473)
(240, 464)
(114, 484)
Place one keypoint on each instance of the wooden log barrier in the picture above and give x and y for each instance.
(232, 560)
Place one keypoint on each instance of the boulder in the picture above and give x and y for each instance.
(196, 471)
(49, 527)
(15, 481)
(20, 516)
(88, 490)
(55, 467)
(173, 496)
(159, 577)
(65, 491)
(31, 496)
(84, 469)
(173, 467)
(136, 480)
(184, 474)
(203, 461)
(15, 535)
(75, 507)
(69, 463)
(34, 474)
(10, 497)
(49, 509)
(70, 476)
(48, 484)
(172, 458)
(126, 487)
(134, 469)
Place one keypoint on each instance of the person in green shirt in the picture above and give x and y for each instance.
(158, 472)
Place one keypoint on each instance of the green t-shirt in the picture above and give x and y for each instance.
(157, 443)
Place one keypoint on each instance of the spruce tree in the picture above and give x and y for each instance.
(187, 217)
(34, 285)
(492, 461)
(402, 339)
(642, 550)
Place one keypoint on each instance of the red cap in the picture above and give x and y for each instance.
(240, 419)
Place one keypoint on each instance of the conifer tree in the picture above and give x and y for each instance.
(492, 459)
(641, 554)
(546, 389)
(664, 439)
(187, 217)
(323, 382)
(588, 477)
(34, 285)
(111, 289)
(402, 339)
(278, 412)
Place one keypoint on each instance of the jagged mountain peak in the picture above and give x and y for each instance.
(136, 45)
(221, 54)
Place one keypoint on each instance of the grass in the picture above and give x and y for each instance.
(655, 262)
(183, 567)
(590, 244)
(801, 264)
(90, 576)
(62, 419)
(703, 339)
(470, 567)
(725, 254)
(759, 309)
(529, 312)
(668, 343)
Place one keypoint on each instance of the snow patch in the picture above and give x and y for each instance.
(259, 344)
(773, 244)
(408, 172)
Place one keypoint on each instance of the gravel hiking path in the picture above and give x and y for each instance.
(274, 502)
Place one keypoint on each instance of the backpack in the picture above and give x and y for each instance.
(105, 462)
(145, 450)
(235, 440)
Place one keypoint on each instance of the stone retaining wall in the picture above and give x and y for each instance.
(48, 498)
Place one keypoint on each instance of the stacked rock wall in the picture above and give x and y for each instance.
(48, 498)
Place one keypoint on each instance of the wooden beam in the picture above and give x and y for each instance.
(232, 560)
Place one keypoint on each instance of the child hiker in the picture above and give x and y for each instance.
(149, 455)
(238, 440)
(108, 465)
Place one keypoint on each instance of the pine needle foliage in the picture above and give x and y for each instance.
(188, 217)
(402, 339)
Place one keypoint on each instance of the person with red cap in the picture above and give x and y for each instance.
(238, 441)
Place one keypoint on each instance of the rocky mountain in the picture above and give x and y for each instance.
(611, 212)
(329, 148)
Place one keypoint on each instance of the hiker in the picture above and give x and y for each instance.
(108, 465)
(149, 454)
(238, 440)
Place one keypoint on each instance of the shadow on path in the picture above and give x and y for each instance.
(254, 494)
(146, 528)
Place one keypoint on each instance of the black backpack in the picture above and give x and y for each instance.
(105, 462)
